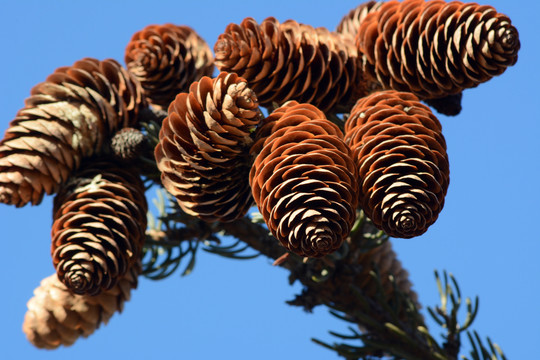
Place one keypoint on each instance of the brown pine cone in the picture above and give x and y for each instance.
(128, 144)
(58, 317)
(303, 180)
(67, 118)
(166, 59)
(403, 167)
(350, 23)
(383, 259)
(292, 61)
(203, 151)
(434, 49)
(99, 224)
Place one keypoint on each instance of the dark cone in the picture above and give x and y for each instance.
(393, 278)
(403, 167)
(58, 317)
(128, 144)
(449, 105)
(67, 118)
(303, 180)
(434, 49)
(203, 152)
(292, 61)
(166, 59)
(99, 226)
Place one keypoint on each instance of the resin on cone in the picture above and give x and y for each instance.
(203, 149)
(67, 118)
(403, 167)
(303, 180)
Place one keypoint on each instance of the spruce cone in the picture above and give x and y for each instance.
(203, 153)
(99, 227)
(292, 61)
(350, 23)
(303, 180)
(128, 144)
(384, 260)
(434, 49)
(166, 59)
(57, 317)
(403, 167)
(67, 118)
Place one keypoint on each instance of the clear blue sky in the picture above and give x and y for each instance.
(486, 235)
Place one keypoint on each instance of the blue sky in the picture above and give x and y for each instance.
(486, 234)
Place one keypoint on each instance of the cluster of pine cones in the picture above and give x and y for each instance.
(307, 169)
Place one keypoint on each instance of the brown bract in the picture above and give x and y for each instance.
(67, 118)
(303, 180)
(99, 223)
(434, 48)
(403, 167)
(56, 317)
(166, 59)
(203, 149)
(292, 61)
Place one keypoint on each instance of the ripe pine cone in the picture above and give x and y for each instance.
(350, 23)
(203, 152)
(402, 163)
(303, 180)
(434, 49)
(99, 227)
(292, 61)
(57, 317)
(67, 118)
(166, 59)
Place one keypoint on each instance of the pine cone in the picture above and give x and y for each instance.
(292, 61)
(166, 59)
(67, 118)
(434, 49)
(57, 317)
(402, 163)
(203, 153)
(99, 227)
(303, 180)
(383, 259)
(350, 23)
(128, 144)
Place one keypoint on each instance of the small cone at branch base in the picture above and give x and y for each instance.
(99, 223)
(203, 149)
(67, 118)
(166, 59)
(57, 317)
(403, 167)
(303, 180)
